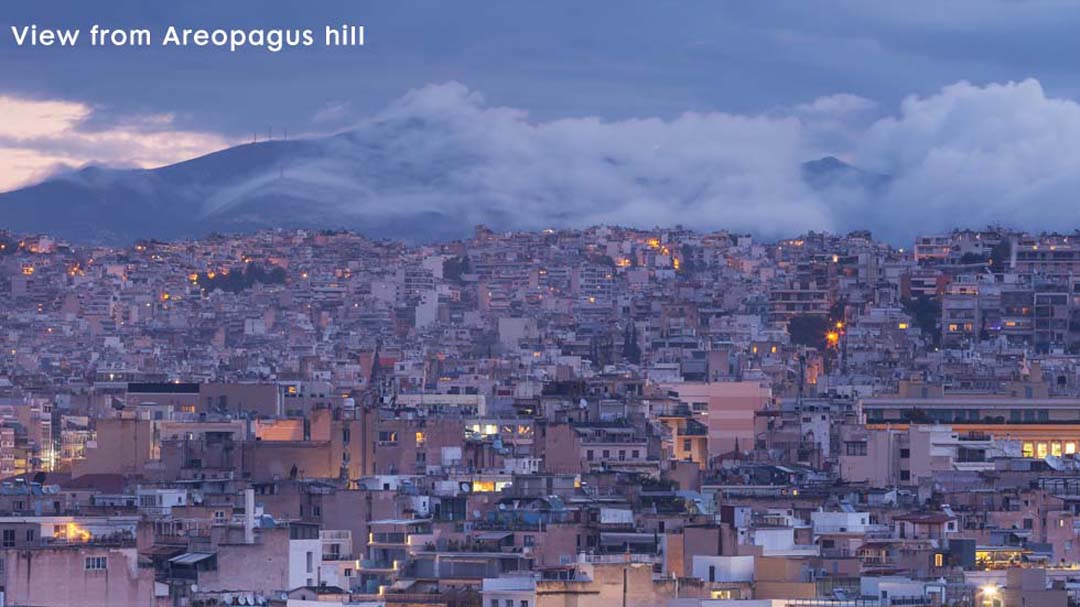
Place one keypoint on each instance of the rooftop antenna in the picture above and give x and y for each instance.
(255, 137)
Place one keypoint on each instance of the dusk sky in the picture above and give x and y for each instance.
(914, 90)
(560, 58)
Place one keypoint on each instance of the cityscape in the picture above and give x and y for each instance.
(598, 416)
(497, 303)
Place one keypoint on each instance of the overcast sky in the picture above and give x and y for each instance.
(860, 77)
(555, 58)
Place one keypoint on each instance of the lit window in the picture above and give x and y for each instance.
(1041, 450)
(1029, 450)
(939, 560)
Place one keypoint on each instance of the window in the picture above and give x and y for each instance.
(635, 454)
(345, 436)
(905, 453)
(309, 560)
(348, 572)
(855, 448)
(939, 560)
(905, 475)
(524, 603)
(387, 437)
(589, 455)
(29, 535)
(607, 453)
(9, 538)
(712, 573)
(509, 602)
(686, 444)
(96, 563)
(528, 540)
(494, 602)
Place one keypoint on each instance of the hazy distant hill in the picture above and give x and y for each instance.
(393, 178)
(830, 172)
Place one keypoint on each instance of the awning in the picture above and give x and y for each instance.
(191, 558)
(609, 539)
(493, 536)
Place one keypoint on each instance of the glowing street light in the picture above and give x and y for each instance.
(990, 596)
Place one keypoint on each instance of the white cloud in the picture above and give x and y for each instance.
(974, 155)
(836, 106)
(460, 157)
(39, 137)
(333, 113)
(966, 155)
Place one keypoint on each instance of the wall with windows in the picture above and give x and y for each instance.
(95, 576)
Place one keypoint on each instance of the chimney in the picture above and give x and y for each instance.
(249, 516)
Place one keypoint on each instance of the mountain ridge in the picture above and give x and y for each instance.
(331, 182)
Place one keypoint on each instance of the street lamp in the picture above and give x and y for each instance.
(991, 596)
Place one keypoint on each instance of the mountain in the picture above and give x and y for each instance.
(414, 178)
(318, 183)
(830, 173)
(106, 205)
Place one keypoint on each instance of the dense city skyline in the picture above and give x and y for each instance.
(683, 416)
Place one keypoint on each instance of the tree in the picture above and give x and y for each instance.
(926, 312)
(808, 330)
(1000, 255)
(456, 267)
(240, 280)
(631, 349)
